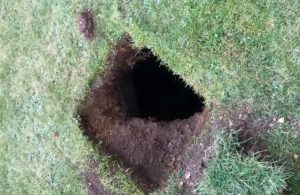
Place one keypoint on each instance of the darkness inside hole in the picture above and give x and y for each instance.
(161, 94)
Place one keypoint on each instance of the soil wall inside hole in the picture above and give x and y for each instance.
(150, 144)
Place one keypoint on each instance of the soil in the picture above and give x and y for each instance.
(85, 24)
(194, 164)
(93, 183)
(135, 111)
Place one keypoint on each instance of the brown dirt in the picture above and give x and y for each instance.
(194, 164)
(92, 180)
(152, 148)
(85, 24)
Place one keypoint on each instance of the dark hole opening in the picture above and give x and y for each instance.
(161, 94)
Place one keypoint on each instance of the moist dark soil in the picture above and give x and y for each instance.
(85, 24)
(144, 114)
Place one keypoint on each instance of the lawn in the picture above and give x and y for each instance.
(232, 52)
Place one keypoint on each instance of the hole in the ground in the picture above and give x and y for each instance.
(144, 115)
(161, 94)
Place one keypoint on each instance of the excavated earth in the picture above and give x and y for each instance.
(145, 115)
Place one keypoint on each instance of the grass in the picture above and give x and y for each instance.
(284, 144)
(231, 51)
(46, 66)
(116, 181)
(231, 172)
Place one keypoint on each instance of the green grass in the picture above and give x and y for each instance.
(46, 66)
(284, 144)
(231, 172)
(230, 51)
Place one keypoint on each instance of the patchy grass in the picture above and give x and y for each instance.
(284, 144)
(230, 172)
(230, 51)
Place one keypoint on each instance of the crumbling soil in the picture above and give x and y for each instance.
(85, 24)
(143, 129)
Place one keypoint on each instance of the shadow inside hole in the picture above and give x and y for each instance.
(160, 93)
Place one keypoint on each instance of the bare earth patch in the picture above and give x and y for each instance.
(85, 24)
(145, 115)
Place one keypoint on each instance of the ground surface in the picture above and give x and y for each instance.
(148, 135)
(237, 54)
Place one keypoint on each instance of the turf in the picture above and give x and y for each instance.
(284, 144)
(231, 172)
(46, 66)
(231, 51)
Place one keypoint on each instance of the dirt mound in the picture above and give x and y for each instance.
(85, 24)
(145, 115)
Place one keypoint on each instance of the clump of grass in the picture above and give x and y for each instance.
(284, 143)
(230, 172)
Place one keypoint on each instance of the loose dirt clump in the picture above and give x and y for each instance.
(85, 24)
(145, 115)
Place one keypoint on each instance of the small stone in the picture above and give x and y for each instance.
(180, 184)
(272, 125)
(240, 116)
(281, 120)
(187, 175)
(295, 156)
(230, 123)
